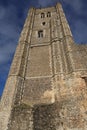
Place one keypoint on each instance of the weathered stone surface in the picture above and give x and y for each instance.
(21, 118)
(47, 84)
(39, 66)
(39, 91)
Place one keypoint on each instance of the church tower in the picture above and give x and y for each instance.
(46, 88)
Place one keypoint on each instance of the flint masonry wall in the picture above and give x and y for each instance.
(47, 84)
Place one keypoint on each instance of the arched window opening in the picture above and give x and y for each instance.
(40, 33)
(42, 15)
(48, 14)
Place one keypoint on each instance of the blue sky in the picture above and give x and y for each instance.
(12, 17)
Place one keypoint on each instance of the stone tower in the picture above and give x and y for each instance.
(46, 87)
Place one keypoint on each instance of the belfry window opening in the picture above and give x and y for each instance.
(42, 15)
(40, 33)
(48, 14)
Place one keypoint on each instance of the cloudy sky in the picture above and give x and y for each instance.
(12, 17)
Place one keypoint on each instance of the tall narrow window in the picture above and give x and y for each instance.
(40, 33)
(42, 15)
(48, 14)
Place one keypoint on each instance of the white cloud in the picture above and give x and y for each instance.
(80, 31)
(45, 3)
(2, 12)
(77, 5)
(9, 32)
(6, 51)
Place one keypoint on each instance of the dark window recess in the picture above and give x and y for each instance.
(43, 23)
(48, 14)
(40, 33)
(42, 15)
(85, 79)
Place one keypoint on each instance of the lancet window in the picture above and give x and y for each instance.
(40, 33)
